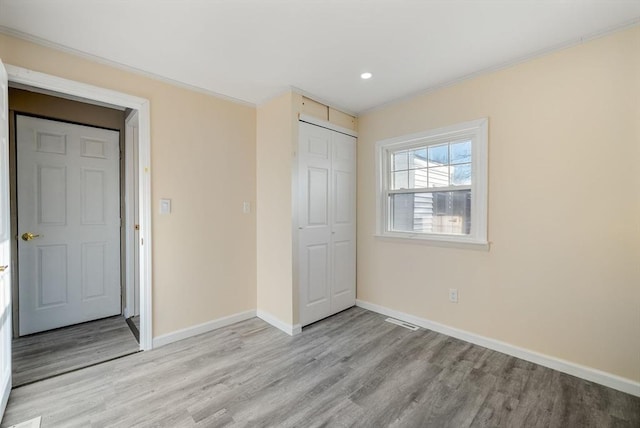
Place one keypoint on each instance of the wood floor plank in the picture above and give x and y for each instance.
(353, 369)
(42, 355)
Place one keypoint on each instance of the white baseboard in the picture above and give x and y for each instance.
(603, 378)
(291, 330)
(185, 333)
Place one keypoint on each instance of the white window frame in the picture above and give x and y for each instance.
(478, 132)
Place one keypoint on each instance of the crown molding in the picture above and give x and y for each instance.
(118, 65)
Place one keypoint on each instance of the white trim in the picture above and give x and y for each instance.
(208, 326)
(131, 123)
(295, 221)
(65, 96)
(478, 131)
(69, 87)
(449, 241)
(324, 124)
(598, 376)
(6, 390)
(100, 60)
(290, 329)
(144, 212)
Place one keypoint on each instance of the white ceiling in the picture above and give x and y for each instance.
(251, 50)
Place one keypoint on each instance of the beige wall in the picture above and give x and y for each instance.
(275, 123)
(562, 276)
(203, 158)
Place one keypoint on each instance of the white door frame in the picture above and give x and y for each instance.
(5, 235)
(101, 95)
(131, 126)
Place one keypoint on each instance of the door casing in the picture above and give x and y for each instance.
(5, 248)
(75, 90)
(130, 267)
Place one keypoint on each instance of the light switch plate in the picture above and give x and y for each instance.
(165, 206)
(246, 207)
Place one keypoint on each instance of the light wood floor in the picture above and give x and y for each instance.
(353, 369)
(42, 355)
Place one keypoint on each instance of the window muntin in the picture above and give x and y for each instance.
(433, 185)
(438, 165)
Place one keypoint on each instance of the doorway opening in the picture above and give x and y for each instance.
(133, 196)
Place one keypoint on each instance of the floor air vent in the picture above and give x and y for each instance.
(402, 324)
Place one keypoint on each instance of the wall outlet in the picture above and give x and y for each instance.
(453, 295)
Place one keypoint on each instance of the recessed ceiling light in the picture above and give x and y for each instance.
(366, 76)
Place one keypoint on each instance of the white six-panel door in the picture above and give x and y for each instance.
(5, 247)
(343, 219)
(68, 198)
(326, 222)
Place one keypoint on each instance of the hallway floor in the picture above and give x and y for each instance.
(50, 353)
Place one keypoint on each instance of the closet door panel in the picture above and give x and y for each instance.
(314, 223)
(343, 216)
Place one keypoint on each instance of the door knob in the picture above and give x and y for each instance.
(28, 236)
(3, 268)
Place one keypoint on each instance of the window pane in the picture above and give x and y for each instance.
(400, 180)
(439, 176)
(411, 179)
(432, 212)
(461, 152)
(400, 161)
(402, 212)
(461, 174)
(439, 155)
(417, 178)
(418, 158)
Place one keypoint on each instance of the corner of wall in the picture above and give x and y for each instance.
(274, 240)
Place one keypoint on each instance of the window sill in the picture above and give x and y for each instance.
(435, 242)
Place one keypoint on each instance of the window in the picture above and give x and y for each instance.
(433, 185)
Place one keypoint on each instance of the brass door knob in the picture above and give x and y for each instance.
(3, 268)
(28, 236)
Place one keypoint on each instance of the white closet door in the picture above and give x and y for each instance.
(326, 222)
(343, 206)
(314, 224)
